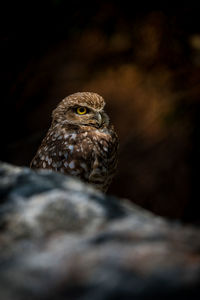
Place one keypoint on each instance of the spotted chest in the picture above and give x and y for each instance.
(88, 155)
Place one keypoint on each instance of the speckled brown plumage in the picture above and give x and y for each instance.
(81, 145)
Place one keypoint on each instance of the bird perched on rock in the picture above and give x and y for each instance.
(81, 141)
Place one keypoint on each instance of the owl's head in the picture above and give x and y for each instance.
(84, 109)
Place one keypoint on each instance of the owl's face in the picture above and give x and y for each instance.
(84, 111)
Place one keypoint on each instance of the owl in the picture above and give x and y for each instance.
(81, 141)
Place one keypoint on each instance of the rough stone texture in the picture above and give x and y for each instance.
(61, 239)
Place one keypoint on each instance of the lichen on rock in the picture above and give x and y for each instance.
(62, 239)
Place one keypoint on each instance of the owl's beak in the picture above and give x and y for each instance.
(99, 118)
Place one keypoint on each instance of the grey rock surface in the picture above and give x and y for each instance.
(62, 239)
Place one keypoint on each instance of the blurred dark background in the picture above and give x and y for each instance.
(143, 59)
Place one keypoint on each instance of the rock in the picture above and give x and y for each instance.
(62, 239)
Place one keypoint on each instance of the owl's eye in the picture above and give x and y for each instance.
(81, 110)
